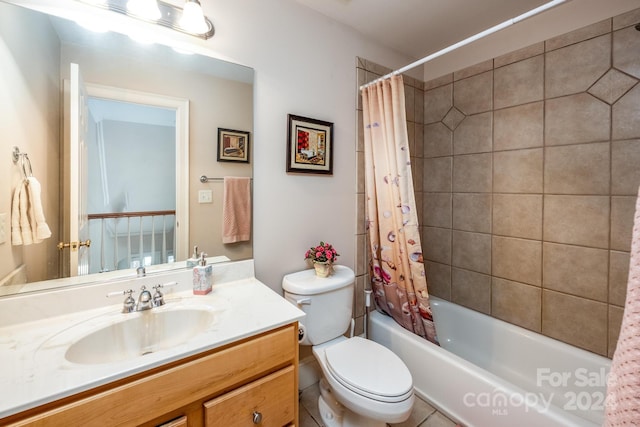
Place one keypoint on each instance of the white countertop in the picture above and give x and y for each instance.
(33, 368)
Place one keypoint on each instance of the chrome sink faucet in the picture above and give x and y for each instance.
(145, 301)
(141, 272)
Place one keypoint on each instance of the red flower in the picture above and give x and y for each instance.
(324, 252)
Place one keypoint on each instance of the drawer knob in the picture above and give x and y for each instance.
(257, 417)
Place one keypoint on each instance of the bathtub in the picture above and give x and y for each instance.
(489, 373)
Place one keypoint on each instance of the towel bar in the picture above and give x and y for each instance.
(205, 178)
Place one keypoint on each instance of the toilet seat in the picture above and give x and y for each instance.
(369, 369)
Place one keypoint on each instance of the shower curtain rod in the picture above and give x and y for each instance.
(468, 40)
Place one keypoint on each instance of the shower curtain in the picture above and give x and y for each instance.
(396, 265)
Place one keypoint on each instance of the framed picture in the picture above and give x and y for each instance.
(233, 145)
(309, 145)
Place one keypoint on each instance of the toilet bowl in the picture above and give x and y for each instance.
(364, 384)
(366, 378)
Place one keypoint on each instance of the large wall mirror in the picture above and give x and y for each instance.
(151, 117)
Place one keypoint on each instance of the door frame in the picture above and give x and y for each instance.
(181, 106)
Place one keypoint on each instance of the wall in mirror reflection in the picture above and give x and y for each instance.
(35, 57)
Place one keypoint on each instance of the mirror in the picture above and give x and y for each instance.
(36, 50)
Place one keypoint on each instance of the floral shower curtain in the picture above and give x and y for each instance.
(396, 265)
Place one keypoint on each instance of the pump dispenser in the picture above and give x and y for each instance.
(202, 276)
(193, 261)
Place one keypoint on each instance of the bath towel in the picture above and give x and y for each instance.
(236, 209)
(16, 233)
(25, 226)
(622, 407)
(38, 222)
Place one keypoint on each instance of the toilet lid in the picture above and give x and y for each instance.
(369, 368)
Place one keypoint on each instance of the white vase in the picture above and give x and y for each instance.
(323, 269)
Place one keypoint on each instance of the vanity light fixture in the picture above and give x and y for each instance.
(147, 9)
(164, 14)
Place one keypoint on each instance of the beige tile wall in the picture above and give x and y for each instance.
(527, 168)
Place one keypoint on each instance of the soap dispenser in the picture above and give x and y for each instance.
(202, 276)
(193, 261)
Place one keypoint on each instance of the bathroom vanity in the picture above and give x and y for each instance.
(236, 364)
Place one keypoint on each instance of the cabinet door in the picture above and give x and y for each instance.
(267, 402)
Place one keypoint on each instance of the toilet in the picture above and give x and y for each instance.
(364, 384)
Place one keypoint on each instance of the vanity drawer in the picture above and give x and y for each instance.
(268, 402)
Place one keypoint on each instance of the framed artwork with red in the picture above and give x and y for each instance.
(309, 145)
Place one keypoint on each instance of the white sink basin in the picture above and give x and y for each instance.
(139, 334)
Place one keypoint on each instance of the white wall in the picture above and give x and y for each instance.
(305, 65)
(29, 99)
(150, 185)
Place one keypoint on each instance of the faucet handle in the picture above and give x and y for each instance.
(166, 285)
(158, 297)
(129, 303)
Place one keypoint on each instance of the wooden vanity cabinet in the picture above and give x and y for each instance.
(267, 401)
(178, 422)
(247, 383)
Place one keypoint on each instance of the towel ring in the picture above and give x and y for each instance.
(24, 162)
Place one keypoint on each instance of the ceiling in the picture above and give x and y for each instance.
(420, 27)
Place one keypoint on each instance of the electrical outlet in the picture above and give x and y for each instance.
(205, 196)
(3, 227)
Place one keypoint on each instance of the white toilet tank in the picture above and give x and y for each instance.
(327, 302)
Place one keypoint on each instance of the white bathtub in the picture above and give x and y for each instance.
(489, 373)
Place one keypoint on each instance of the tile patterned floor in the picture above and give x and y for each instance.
(423, 415)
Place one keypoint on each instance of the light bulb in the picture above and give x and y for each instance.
(147, 9)
(192, 18)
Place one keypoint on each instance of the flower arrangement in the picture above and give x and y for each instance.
(324, 252)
